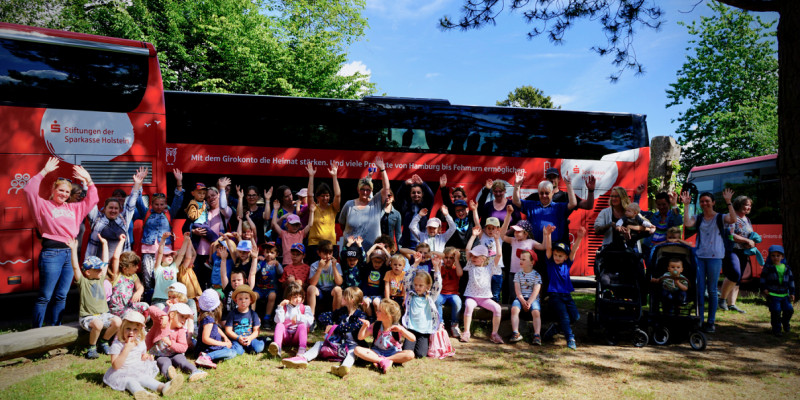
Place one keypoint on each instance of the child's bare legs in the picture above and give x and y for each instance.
(537, 321)
(373, 357)
(311, 298)
(270, 303)
(515, 319)
(336, 294)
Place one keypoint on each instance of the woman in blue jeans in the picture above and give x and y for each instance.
(58, 222)
(709, 248)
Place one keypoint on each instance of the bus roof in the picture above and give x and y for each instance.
(46, 35)
(735, 162)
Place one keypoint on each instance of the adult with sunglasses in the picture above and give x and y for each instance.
(115, 219)
(58, 221)
(361, 216)
(710, 248)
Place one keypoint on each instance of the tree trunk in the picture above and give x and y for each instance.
(789, 129)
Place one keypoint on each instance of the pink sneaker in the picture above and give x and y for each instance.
(464, 336)
(205, 361)
(496, 338)
(295, 362)
(384, 365)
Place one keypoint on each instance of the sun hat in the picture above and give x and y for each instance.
(245, 289)
(434, 222)
(302, 192)
(493, 221)
(209, 300)
(245, 245)
(134, 316)
(292, 219)
(479, 251)
(177, 287)
(93, 262)
(181, 308)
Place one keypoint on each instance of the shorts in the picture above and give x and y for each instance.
(369, 299)
(534, 306)
(263, 294)
(386, 353)
(85, 322)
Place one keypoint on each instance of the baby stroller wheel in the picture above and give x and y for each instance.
(661, 335)
(640, 338)
(698, 341)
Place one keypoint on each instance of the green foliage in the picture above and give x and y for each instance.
(730, 83)
(276, 47)
(527, 96)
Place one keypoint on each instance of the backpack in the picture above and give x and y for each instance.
(727, 239)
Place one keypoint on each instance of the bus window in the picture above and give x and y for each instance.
(58, 76)
(408, 138)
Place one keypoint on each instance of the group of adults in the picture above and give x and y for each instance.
(61, 217)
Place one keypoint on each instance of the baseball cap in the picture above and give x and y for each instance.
(493, 221)
(302, 192)
(776, 247)
(169, 250)
(299, 247)
(434, 222)
(134, 316)
(244, 245)
(459, 203)
(93, 262)
(292, 219)
(181, 308)
(479, 250)
(200, 186)
(551, 171)
(562, 247)
(351, 254)
(177, 287)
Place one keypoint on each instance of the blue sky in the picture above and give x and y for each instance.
(407, 55)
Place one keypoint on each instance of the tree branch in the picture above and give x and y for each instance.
(754, 5)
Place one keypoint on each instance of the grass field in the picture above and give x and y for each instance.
(742, 361)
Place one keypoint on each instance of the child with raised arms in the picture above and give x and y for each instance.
(294, 232)
(94, 315)
(421, 316)
(132, 368)
(127, 290)
(451, 277)
(479, 287)
(166, 270)
(559, 261)
(292, 321)
(156, 224)
(431, 236)
(385, 350)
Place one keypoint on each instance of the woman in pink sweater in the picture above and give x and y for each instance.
(58, 222)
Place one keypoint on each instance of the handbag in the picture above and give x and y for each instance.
(440, 346)
(334, 348)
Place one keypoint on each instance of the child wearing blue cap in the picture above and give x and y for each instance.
(94, 315)
(559, 261)
(777, 285)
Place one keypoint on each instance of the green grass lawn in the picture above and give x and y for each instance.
(742, 361)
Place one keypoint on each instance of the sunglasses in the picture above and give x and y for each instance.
(64, 179)
(159, 196)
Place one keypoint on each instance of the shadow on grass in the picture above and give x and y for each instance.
(91, 377)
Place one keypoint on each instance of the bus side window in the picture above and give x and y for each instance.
(409, 138)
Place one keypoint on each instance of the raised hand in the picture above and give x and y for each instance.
(166, 235)
(222, 183)
(727, 194)
(639, 189)
(423, 212)
(445, 211)
(476, 231)
(591, 181)
(178, 175)
(276, 204)
(473, 205)
(673, 199)
(268, 194)
(311, 170)
(333, 169)
(81, 174)
(488, 184)
(581, 232)
(359, 240)
(139, 176)
(565, 177)
(519, 176)
(239, 192)
(686, 198)
(50, 166)
(416, 179)
(379, 163)
(73, 245)
(509, 210)
(443, 181)
(549, 229)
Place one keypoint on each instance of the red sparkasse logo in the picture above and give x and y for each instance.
(576, 170)
(55, 127)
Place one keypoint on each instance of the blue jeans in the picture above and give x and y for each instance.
(781, 310)
(55, 278)
(256, 346)
(455, 306)
(566, 310)
(223, 354)
(708, 275)
(497, 286)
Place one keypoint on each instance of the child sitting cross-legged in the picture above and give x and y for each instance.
(93, 312)
(292, 321)
(167, 341)
(386, 349)
(243, 324)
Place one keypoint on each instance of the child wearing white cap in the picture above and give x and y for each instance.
(431, 236)
(167, 341)
(479, 287)
(132, 368)
(213, 344)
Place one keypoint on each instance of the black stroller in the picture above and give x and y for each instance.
(620, 297)
(685, 322)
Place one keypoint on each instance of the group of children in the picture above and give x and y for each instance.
(395, 295)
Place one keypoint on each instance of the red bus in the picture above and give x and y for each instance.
(88, 100)
(99, 102)
(756, 178)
